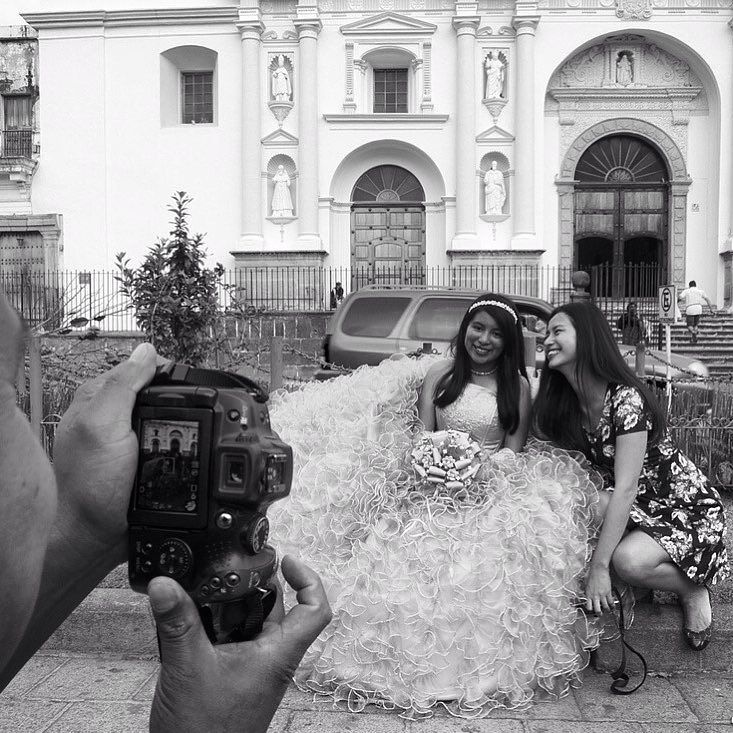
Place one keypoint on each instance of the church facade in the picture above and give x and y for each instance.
(394, 133)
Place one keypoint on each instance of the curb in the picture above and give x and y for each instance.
(119, 621)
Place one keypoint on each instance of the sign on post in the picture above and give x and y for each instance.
(667, 303)
(667, 316)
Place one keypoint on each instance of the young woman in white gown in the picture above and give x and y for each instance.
(464, 602)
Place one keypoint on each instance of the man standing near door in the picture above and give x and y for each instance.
(691, 300)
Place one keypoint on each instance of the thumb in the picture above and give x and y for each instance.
(182, 638)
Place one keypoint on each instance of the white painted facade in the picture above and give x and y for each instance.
(112, 150)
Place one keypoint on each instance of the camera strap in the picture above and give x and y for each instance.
(175, 373)
(250, 614)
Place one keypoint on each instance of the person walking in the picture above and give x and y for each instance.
(692, 299)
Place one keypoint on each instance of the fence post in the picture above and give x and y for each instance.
(640, 359)
(36, 384)
(276, 363)
(580, 280)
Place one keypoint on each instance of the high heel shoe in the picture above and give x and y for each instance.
(698, 640)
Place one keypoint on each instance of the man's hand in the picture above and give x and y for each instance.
(27, 495)
(95, 454)
(231, 687)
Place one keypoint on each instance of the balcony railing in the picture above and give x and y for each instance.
(16, 143)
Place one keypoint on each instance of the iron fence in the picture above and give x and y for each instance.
(52, 301)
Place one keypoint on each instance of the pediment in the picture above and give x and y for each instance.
(388, 24)
(279, 138)
(494, 134)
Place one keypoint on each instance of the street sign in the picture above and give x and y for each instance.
(667, 303)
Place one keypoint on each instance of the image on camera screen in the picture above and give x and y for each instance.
(168, 472)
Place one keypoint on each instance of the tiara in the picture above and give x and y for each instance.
(498, 304)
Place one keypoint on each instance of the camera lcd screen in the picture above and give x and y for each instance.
(168, 471)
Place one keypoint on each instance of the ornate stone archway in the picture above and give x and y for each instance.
(679, 185)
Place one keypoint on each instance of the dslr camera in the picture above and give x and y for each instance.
(209, 465)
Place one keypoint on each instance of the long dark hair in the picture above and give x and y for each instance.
(510, 366)
(557, 414)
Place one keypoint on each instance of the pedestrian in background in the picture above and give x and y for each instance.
(632, 326)
(337, 295)
(692, 299)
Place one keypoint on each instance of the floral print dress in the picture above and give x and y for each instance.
(674, 504)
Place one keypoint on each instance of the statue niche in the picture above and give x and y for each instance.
(281, 87)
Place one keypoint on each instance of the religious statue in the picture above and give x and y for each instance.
(281, 88)
(624, 70)
(494, 68)
(494, 190)
(282, 202)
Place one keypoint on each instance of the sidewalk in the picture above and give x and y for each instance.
(60, 692)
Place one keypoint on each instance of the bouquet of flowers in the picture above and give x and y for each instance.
(447, 459)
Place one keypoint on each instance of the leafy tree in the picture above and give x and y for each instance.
(173, 293)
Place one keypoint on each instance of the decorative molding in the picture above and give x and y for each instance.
(280, 110)
(279, 139)
(426, 104)
(349, 105)
(387, 119)
(494, 134)
(129, 18)
(634, 9)
(388, 25)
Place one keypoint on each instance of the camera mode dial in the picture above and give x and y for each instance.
(175, 558)
(255, 535)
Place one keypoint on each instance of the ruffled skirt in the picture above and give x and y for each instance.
(468, 604)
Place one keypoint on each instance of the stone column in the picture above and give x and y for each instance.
(252, 203)
(466, 211)
(307, 103)
(523, 206)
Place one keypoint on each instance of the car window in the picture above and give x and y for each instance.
(438, 319)
(374, 317)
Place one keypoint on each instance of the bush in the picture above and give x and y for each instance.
(174, 295)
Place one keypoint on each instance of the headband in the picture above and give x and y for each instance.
(498, 304)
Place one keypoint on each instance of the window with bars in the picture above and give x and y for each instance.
(390, 90)
(197, 97)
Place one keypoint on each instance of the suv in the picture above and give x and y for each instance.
(380, 320)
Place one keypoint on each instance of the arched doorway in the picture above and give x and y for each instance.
(621, 217)
(387, 227)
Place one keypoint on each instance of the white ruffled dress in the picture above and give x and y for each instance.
(464, 603)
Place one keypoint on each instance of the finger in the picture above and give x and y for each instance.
(311, 615)
(183, 641)
(138, 370)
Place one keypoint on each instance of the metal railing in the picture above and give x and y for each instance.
(16, 143)
(53, 300)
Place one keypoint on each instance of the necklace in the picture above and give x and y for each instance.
(484, 374)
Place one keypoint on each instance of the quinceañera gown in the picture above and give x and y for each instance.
(466, 603)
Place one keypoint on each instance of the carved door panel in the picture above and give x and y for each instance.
(387, 245)
(622, 197)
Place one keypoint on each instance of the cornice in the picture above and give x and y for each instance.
(129, 18)
(624, 93)
(389, 118)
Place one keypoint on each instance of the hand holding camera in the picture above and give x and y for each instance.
(209, 466)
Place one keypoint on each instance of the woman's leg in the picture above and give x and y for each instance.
(639, 560)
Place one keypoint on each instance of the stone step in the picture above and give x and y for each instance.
(657, 634)
(119, 621)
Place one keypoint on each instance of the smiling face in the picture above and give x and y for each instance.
(484, 341)
(560, 342)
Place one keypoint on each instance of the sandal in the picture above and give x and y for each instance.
(698, 640)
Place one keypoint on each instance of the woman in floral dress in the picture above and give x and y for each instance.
(663, 525)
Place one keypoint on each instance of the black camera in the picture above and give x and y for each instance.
(209, 466)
